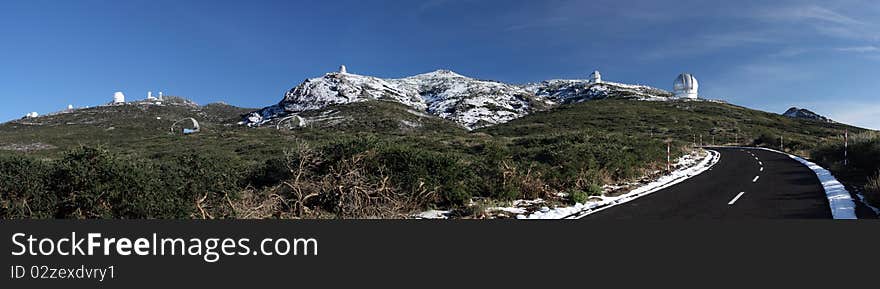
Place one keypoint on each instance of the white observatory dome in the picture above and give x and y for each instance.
(118, 97)
(686, 86)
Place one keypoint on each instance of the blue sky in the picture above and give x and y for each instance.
(769, 55)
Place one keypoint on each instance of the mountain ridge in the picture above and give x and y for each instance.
(470, 102)
(803, 113)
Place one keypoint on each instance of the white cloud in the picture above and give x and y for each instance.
(809, 13)
(859, 49)
(822, 20)
(791, 52)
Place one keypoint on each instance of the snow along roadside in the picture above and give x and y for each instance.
(840, 201)
(582, 210)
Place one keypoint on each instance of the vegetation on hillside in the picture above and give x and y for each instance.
(683, 122)
(862, 167)
(361, 160)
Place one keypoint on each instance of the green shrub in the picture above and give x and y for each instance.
(90, 183)
(96, 183)
(578, 197)
(863, 153)
(581, 196)
(271, 172)
(197, 182)
(24, 188)
(595, 190)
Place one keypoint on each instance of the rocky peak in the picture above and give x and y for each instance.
(802, 113)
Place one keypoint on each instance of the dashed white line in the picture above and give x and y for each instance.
(762, 169)
(761, 163)
(736, 198)
(756, 179)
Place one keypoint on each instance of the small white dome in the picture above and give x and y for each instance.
(342, 69)
(686, 86)
(118, 97)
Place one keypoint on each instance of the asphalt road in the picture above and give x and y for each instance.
(744, 184)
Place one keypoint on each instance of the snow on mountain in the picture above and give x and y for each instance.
(802, 113)
(333, 88)
(470, 102)
(572, 91)
(340, 88)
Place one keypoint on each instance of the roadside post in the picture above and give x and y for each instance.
(845, 146)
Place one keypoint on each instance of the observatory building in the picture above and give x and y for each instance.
(342, 69)
(686, 86)
(153, 98)
(595, 77)
(118, 97)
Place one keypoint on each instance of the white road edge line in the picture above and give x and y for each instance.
(756, 179)
(840, 202)
(736, 198)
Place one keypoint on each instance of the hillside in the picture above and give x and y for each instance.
(144, 129)
(471, 103)
(679, 121)
(367, 158)
(138, 127)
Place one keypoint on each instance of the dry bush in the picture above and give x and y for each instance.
(254, 204)
(587, 178)
(291, 197)
(873, 190)
(353, 187)
(350, 192)
(301, 163)
(529, 184)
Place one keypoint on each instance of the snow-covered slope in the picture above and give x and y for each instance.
(339, 88)
(470, 102)
(569, 91)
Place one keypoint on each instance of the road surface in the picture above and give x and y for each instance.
(744, 184)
